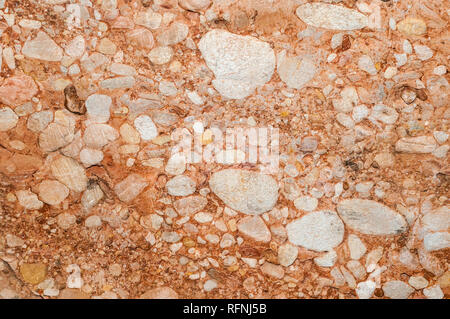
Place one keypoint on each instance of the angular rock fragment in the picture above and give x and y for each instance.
(8, 119)
(255, 228)
(70, 173)
(370, 217)
(296, 72)
(42, 47)
(328, 16)
(129, 188)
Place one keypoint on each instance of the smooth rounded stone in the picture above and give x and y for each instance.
(345, 120)
(76, 47)
(141, 38)
(254, 228)
(42, 47)
(38, 121)
(371, 218)
(272, 270)
(365, 289)
(28, 199)
(385, 114)
(17, 90)
(248, 192)
(366, 64)
(436, 241)
(120, 82)
(390, 72)
(69, 172)
(306, 203)
(93, 221)
(296, 71)
(180, 185)
(129, 134)
(318, 231)
(437, 220)
(55, 136)
(397, 289)
(34, 273)
(411, 26)
(418, 282)
(160, 293)
(190, 205)
(8, 119)
(239, 63)
(209, 285)
(176, 164)
(130, 187)
(194, 5)
(326, 260)
(91, 196)
(170, 236)
(434, 292)
(418, 145)
(98, 108)
(146, 128)
(52, 192)
(202, 218)
(66, 220)
(89, 156)
(287, 254)
(98, 135)
(356, 247)
(106, 46)
(122, 69)
(334, 17)
(160, 55)
(174, 34)
(423, 52)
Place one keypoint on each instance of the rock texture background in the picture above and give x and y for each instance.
(93, 204)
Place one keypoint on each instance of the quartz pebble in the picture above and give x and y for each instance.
(334, 17)
(370, 217)
(240, 63)
(318, 231)
(248, 192)
(396, 289)
(255, 228)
